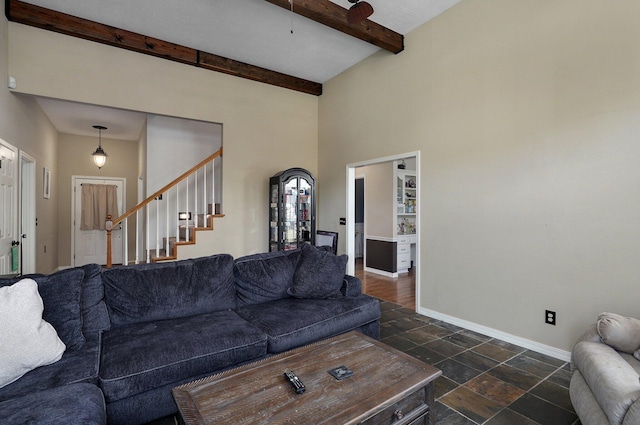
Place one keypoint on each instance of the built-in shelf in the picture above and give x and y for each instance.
(406, 201)
(394, 252)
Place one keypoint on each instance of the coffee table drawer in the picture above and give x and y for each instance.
(408, 411)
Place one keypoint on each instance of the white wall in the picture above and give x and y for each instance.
(141, 188)
(174, 145)
(526, 116)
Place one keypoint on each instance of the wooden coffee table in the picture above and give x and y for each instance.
(388, 387)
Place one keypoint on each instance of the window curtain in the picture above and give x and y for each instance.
(98, 200)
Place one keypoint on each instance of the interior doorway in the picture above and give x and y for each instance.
(390, 205)
(359, 221)
(27, 214)
(90, 246)
(9, 251)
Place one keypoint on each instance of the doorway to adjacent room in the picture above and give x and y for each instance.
(358, 233)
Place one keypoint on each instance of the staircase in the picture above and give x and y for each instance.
(171, 217)
(186, 236)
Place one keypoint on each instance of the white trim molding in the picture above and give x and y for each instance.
(494, 333)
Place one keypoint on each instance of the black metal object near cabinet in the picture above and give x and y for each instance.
(292, 209)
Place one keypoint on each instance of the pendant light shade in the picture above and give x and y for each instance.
(99, 156)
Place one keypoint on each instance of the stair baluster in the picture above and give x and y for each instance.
(163, 234)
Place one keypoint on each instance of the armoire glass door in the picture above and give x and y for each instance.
(291, 209)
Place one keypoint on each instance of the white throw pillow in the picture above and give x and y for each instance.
(26, 341)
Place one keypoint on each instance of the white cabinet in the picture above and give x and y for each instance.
(406, 199)
(406, 246)
(405, 213)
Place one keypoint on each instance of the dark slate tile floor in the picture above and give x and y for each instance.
(484, 380)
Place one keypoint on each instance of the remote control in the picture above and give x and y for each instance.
(295, 382)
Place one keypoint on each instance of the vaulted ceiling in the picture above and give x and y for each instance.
(257, 39)
(261, 39)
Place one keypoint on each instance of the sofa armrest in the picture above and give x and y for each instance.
(73, 404)
(611, 378)
(351, 286)
(591, 334)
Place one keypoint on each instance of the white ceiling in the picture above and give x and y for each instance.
(79, 119)
(251, 31)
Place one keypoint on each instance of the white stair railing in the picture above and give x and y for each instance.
(187, 199)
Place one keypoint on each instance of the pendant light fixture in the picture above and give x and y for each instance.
(99, 156)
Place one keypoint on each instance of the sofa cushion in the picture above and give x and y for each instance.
(264, 277)
(319, 274)
(633, 414)
(612, 380)
(292, 322)
(61, 295)
(351, 286)
(139, 357)
(94, 311)
(26, 341)
(149, 292)
(75, 366)
(619, 332)
(77, 404)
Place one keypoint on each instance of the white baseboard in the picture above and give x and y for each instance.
(494, 333)
(380, 272)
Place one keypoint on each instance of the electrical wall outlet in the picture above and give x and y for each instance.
(550, 317)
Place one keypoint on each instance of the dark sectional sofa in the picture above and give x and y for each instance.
(133, 333)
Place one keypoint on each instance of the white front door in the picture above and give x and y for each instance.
(90, 246)
(8, 208)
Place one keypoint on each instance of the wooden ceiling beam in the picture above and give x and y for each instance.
(335, 16)
(40, 17)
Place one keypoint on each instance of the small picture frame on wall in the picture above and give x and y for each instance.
(46, 183)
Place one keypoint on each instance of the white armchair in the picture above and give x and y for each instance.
(605, 386)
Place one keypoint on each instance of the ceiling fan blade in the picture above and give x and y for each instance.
(359, 12)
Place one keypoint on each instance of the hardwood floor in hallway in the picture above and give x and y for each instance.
(400, 290)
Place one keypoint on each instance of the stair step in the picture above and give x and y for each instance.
(184, 230)
(161, 253)
(213, 209)
(203, 222)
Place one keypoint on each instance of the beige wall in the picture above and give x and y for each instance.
(266, 129)
(74, 159)
(23, 125)
(526, 114)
